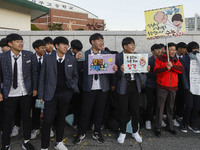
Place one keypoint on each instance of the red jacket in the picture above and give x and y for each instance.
(167, 79)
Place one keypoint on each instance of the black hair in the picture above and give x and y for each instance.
(13, 37)
(161, 45)
(59, 40)
(127, 40)
(192, 45)
(171, 44)
(95, 36)
(181, 45)
(38, 43)
(3, 42)
(48, 40)
(155, 46)
(76, 44)
(177, 17)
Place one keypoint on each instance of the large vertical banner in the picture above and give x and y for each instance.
(168, 21)
(101, 64)
(195, 75)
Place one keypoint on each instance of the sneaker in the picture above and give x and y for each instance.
(164, 117)
(121, 138)
(15, 131)
(6, 148)
(183, 128)
(98, 137)
(79, 138)
(157, 133)
(60, 146)
(28, 146)
(194, 129)
(176, 124)
(44, 148)
(137, 137)
(163, 124)
(34, 133)
(148, 125)
(180, 119)
(52, 133)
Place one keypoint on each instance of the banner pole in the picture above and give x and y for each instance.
(167, 49)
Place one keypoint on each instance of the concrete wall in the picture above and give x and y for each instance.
(14, 17)
(112, 39)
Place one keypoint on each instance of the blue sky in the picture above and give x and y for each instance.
(123, 15)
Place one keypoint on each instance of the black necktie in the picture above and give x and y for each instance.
(60, 60)
(96, 77)
(15, 73)
(40, 64)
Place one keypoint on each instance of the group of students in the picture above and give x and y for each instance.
(58, 79)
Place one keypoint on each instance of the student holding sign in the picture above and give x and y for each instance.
(128, 89)
(191, 88)
(167, 85)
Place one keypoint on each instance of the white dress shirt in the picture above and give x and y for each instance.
(57, 58)
(96, 83)
(21, 89)
(38, 57)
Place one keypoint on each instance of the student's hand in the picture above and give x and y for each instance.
(112, 88)
(122, 67)
(115, 68)
(1, 97)
(169, 65)
(41, 100)
(148, 68)
(79, 55)
(34, 93)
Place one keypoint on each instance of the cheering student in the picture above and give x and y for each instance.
(95, 89)
(18, 75)
(58, 81)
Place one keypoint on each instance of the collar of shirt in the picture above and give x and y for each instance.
(95, 53)
(16, 56)
(179, 56)
(49, 53)
(38, 57)
(57, 58)
(72, 52)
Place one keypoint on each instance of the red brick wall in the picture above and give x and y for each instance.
(70, 20)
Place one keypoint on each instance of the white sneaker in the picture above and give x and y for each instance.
(164, 117)
(51, 133)
(15, 131)
(163, 124)
(148, 125)
(121, 138)
(44, 148)
(137, 137)
(176, 124)
(60, 146)
(34, 133)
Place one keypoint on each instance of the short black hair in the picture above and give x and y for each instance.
(192, 45)
(76, 44)
(3, 42)
(38, 43)
(95, 36)
(181, 45)
(177, 17)
(127, 40)
(60, 39)
(48, 40)
(13, 37)
(161, 45)
(155, 46)
(171, 44)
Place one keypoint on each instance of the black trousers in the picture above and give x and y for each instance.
(192, 107)
(55, 110)
(35, 115)
(17, 118)
(10, 106)
(92, 102)
(151, 103)
(1, 115)
(129, 106)
(162, 97)
(179, 103)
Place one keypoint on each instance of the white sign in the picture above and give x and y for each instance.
(195, 75)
